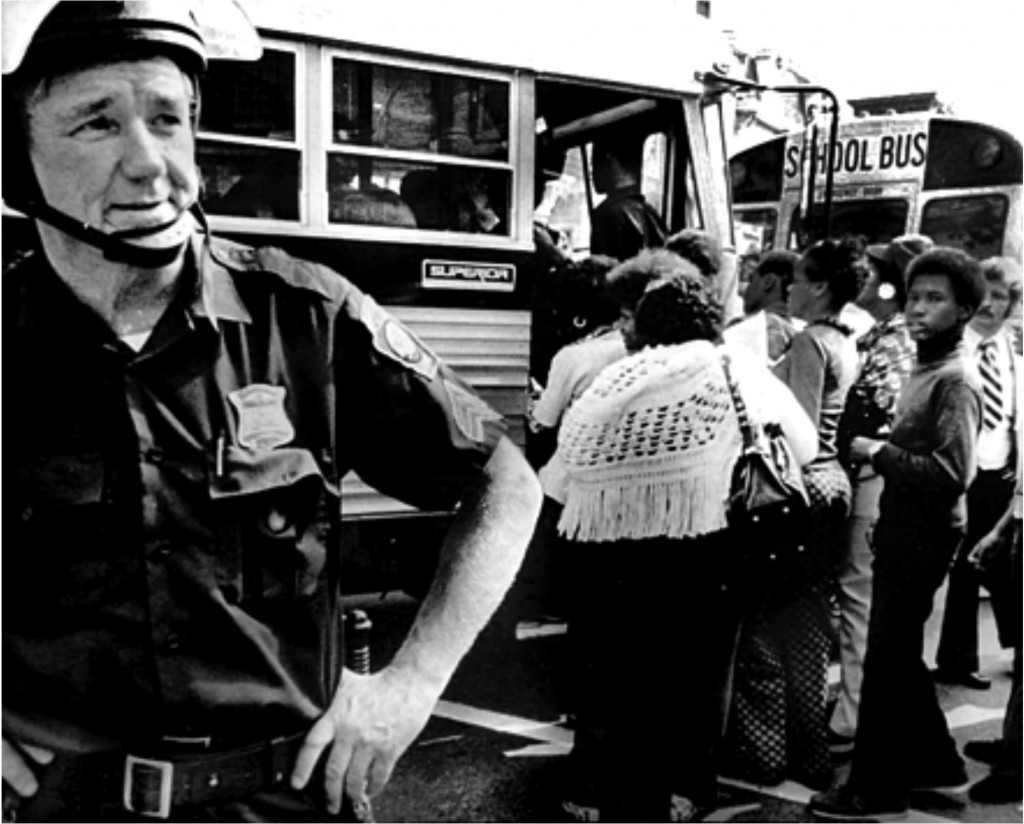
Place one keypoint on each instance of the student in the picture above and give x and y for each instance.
(886, 357)
(902, 740)
(768, 291)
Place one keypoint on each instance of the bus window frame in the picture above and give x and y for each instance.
(298, 145)
(948, 195)
(313, 142)
(320, 196)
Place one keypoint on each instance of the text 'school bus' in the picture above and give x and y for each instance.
(955, 181)
(406, 144)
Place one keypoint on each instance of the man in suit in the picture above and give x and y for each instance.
(988, 344)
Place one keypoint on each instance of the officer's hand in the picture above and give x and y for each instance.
(18, 774)
(371, 721)
(985, 551)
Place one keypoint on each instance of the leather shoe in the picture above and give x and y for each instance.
(971, 680)
(987, 752)
(844, 804)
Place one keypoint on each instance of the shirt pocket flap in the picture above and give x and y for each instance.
(248, 472)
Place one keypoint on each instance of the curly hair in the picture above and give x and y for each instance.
(678, 309)
(628, 281)
(842, 264)
(964, 274)
(701, 248)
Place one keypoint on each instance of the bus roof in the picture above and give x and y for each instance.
(660, 49)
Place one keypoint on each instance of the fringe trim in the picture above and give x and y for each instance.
(680, 508)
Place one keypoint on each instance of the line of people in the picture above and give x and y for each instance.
(735, 675)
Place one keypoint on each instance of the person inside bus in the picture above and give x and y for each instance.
(886, 355)
(645, 511)
(624, 222)
(767, 291)
(185, 409)
(781, 718)
(988, 342)
(927, 462)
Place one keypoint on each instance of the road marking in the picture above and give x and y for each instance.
(525, 630)
(500, 722)
(967, 715)
(538, 750)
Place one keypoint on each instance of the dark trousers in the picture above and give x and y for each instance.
(902, 736)
(652, 634)
(987, 500)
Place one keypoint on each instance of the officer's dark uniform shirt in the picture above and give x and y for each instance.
(172, 562)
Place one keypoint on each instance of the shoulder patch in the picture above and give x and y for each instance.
(395, 341)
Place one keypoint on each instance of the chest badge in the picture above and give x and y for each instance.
(262, 420)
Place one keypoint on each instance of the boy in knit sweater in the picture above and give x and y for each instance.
(902, 741)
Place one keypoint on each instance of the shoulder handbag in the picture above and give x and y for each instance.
(768, 505)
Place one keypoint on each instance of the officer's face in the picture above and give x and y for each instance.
(113, 145)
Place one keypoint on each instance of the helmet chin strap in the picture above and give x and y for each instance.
(119, 247)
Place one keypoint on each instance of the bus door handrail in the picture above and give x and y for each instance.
(711, 78)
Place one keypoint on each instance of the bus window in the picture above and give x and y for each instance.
(975, 224)
(877, 221)
(964, 155)
(756, 173)
(247, 149)
(755, 229)
(653, 174)
(417, 148)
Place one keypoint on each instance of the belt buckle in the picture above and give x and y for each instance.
(147, 780)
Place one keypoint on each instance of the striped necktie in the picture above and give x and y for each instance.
(991, 386)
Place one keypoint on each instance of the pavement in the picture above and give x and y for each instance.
(495, 748)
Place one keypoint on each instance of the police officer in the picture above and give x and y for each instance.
(180, 413)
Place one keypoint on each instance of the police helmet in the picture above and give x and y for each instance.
(46, 38)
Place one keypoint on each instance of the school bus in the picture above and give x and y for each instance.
(956, 181)
(406, 145)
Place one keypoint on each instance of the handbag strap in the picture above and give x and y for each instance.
(746, 428)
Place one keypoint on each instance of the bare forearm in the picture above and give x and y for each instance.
(478, 563)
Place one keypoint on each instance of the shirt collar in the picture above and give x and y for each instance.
(216, 297)
(973, 340)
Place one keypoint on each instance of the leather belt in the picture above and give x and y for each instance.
(154, 786)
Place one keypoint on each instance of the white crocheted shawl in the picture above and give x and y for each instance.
(650, 447)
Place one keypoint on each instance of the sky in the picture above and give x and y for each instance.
(969, 52)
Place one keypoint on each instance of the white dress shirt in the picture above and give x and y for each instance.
(994, 445)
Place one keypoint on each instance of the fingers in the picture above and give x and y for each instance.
(320, 736)
(17, 772)
(338, 765)
(38, 754)
(356, 776)
(380, 774)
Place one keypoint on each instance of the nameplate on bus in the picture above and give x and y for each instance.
(458, 274)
